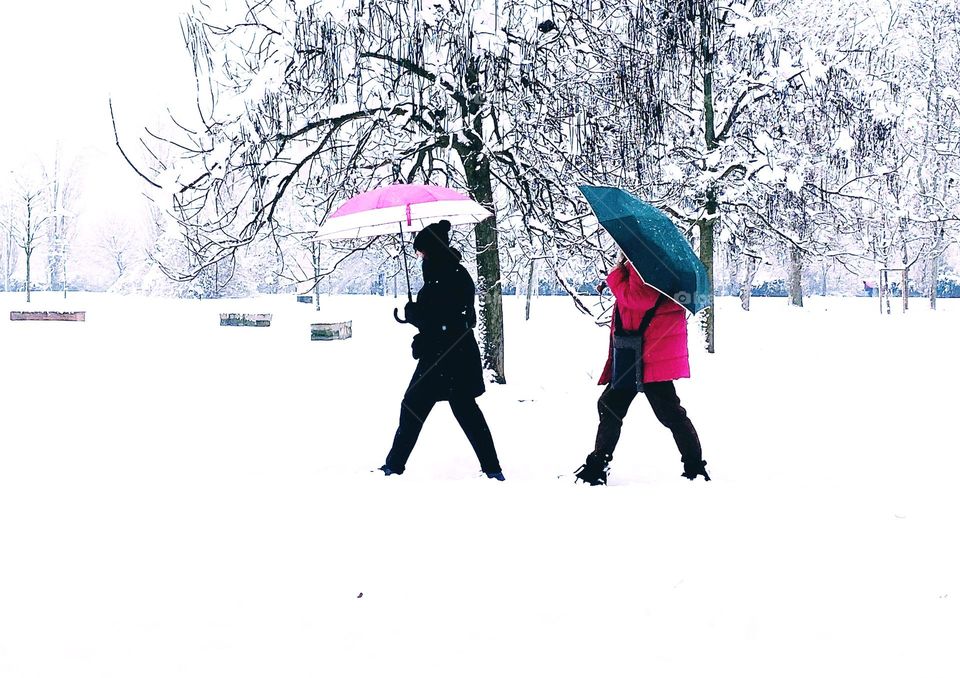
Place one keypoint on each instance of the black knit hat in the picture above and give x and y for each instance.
(435, 238)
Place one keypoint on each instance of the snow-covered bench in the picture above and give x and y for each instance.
(331, 331)
(245, 319)
(76, 316)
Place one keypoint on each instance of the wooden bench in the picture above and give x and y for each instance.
(74, 316)
(305, 298)
(245, 319)
(331, 331)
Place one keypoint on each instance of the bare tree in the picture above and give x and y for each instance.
(28, 225)
(117, 248)
(62, 185)
(935, 32)
(8, 245)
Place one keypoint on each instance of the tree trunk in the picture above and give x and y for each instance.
(530, 280)
(8, 261)
(905, 289)
(934, 273)
(54, 248)
(733, 272)
(746, 287)
(477, 170)
(55, 255)
(277, 269)
(708, 225)
(707, 230)
(315, 261)
(476, 167)
(28, 245)
(28, 276)
(885, 291)
(796, 270)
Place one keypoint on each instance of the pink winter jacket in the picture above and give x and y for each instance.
(665, 355)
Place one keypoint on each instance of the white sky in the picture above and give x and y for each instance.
(62, 59)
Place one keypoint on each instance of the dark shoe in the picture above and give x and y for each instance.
(496, 476)
(594, 470)
(693, 470)
(387, 471)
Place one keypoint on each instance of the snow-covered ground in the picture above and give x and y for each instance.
(181, 499)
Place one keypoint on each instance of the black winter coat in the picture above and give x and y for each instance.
(449, 359)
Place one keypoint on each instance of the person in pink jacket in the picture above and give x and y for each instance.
(663, 347)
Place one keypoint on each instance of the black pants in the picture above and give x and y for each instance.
(662, 396)
(414, 409)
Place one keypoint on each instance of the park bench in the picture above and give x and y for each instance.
(74, 316)
(245, 319)
(331, 331)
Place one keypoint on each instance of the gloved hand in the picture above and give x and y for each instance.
(411, 313)
(416, 346)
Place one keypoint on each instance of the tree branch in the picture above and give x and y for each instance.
(416, 69)
(116, 138)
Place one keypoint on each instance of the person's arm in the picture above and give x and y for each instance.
(411, 313)
(630, 291)
(440, 304)
(422, 312)
(470, 300)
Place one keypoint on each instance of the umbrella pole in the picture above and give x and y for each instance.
(406, 270)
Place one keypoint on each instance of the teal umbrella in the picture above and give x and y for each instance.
(653, 244)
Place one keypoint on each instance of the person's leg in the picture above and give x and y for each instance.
(612, 408)
(474, 425)
(663, 399)
(414, 409)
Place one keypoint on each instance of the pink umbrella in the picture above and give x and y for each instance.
(398, 208)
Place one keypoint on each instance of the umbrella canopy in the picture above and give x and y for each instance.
(400, 208)
(653, 244)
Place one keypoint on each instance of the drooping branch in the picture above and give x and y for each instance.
(418, 70)
(116, 138)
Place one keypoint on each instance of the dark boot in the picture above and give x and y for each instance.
(594, 470)
(691, 471)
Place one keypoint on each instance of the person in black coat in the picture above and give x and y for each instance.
(448, 366)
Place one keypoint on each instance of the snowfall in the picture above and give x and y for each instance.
(183, 499)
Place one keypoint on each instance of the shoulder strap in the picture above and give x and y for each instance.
(648, 316)
(644, 323)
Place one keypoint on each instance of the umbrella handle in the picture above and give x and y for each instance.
(396, 316)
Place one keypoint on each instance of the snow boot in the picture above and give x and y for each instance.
(594, 470)
(496, 476)
(387, 471)
(691, 471)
